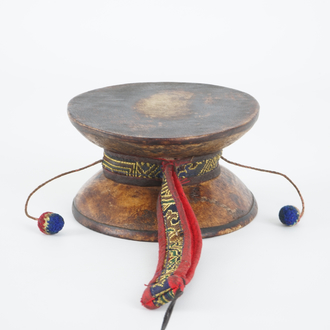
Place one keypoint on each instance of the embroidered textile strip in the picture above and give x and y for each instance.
(179, 234)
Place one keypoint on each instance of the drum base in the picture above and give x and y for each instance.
(221, 205)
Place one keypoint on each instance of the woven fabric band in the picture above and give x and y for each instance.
(179, 234)
(149, 172)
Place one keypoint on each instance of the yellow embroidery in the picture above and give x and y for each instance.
(154, 171)
(209, 165)
(134, 169)
(174, 241)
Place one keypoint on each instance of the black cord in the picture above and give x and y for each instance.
(169, 311)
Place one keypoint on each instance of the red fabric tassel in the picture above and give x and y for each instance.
(194, 229)
(166, 281)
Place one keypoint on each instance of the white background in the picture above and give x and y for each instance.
(265, 276)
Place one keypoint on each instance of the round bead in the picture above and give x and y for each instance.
(50, 223)
(289, 215)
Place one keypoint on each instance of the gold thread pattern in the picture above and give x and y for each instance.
(174, 246)
(151, 170)
(135, 169)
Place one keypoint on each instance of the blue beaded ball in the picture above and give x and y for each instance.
(289, 215)
(50, 223)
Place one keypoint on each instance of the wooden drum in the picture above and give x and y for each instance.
(163, 121)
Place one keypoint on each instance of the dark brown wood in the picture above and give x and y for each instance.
(221, 205)
(163, 119)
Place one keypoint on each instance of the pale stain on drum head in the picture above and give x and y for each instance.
(168, 104)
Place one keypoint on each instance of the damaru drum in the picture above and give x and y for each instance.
(145, 124)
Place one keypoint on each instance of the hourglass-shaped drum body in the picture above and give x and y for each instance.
(152, 122)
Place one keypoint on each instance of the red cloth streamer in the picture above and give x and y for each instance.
(179, 250)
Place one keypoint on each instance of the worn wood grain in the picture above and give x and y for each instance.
(163, 119)
(221, 205)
